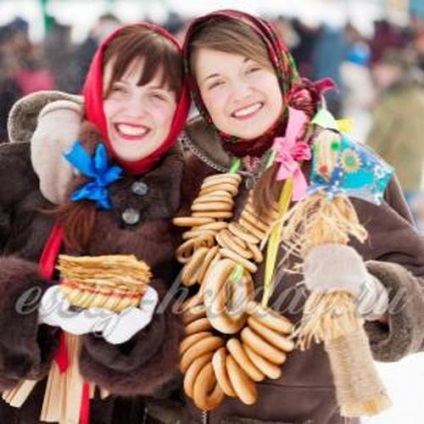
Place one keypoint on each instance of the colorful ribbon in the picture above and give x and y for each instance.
(290, 152)
(97, 168)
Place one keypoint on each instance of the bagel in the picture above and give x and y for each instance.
(189, 221)
(228, 187)
(187, 249)
(238, 297)
(270, 318)
(191, 268)
(225, 240)
(216, 301)
(214, 226)
(214, 214)
(243, 386)
(201, 324)
(250, 266)
(277, 340)
(254, 220)
(262, 347)
(210, 198)
(188, 341)
(205, 263)
(203, 346)
(220, 177)
(257, 254)
(207, 394)
(191, 303)
(194, 313)
(221, 193)
(248, 226)
(236, 240)
(238, 353)
(213, 206)
(220, 370)
(196, 232)
(269, 369)
(193, 372)
(243, 234)
(210, 268)
(224, 179)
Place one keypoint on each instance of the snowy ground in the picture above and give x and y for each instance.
(405, 384)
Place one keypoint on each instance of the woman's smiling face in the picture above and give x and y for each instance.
(138, 117)
(242, 97)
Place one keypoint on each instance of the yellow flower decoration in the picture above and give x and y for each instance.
(350, 161)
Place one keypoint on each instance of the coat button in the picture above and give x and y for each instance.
(131, 216)
(139, 188)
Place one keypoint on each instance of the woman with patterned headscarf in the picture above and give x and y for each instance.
(246, 87)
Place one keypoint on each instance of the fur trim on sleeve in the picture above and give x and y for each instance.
(26, 349)
(404, 333)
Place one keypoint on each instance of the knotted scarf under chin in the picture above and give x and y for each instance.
(257, 147)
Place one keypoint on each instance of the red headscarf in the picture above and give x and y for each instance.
(93, 97)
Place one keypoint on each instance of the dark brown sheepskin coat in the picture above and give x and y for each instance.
(129, 371)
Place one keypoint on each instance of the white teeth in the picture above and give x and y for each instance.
(247, 110)
(132, 130)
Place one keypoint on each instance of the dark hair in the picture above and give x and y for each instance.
(158, 53)
(78, 218)
(229, 36)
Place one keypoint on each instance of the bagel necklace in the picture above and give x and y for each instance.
(231, 342)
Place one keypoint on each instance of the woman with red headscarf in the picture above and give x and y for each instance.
(250, 97)
(113, 193)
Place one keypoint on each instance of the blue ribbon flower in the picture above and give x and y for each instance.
(97, 168)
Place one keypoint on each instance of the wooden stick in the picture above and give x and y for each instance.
(17, 396)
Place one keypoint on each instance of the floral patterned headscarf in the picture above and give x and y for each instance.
(281, 61)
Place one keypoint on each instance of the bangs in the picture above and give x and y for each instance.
(229, 37)
(159, 55)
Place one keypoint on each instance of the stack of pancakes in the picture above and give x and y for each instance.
(113, 282)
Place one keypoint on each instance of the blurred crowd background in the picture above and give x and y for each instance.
(378, 67)
(372, 49)
(376, 59)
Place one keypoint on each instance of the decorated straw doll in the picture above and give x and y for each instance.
(250, 161)
(106, 204)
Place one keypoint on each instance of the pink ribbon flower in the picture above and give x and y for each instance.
(290, 152)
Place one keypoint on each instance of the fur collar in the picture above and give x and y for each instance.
(205, 143)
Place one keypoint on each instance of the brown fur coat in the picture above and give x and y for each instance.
(138, 367)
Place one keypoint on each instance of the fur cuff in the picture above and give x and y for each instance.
(404, 333)
(26, 349)
(141, 365)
